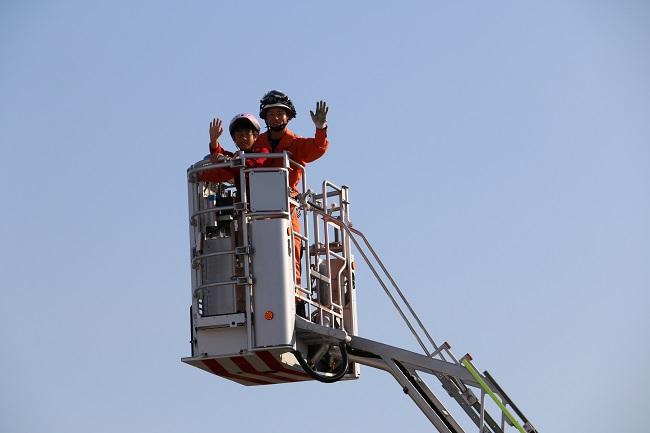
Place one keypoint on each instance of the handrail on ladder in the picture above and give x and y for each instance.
(438, 350)
(501, 400)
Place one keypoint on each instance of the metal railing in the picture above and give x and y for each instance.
(318, 282)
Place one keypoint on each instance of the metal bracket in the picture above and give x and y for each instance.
(240, 206)
(319, 276)
(469, 397)
(242, 281)
(444, 346)
(243, 251)
(237, 163)
(529, 428)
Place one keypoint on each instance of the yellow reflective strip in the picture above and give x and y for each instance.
(468, 365)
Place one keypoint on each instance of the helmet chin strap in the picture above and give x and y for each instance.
(277, 128)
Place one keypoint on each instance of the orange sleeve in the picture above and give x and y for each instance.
(225, 174)
(305, 150)
(261, 145)
(257, 162)
(217, 175)
(219, 150)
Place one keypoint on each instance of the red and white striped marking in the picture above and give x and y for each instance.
(256, 368)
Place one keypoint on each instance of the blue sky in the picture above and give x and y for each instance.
(498, 157)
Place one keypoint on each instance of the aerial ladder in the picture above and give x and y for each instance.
(253, 321)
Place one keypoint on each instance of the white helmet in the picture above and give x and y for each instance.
(245, 119)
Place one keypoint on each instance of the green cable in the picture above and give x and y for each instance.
(468, 365)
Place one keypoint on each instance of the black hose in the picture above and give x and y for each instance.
(319, 377)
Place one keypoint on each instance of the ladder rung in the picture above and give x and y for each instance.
(527, 425)
(320, 276)
(485, 387)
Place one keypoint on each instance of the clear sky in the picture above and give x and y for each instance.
(498, 157)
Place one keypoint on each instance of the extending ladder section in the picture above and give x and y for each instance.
(459, 377)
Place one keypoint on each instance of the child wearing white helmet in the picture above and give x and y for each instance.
(244, 129)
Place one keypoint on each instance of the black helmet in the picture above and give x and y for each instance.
(275, 98)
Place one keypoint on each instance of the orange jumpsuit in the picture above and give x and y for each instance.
(303, 151)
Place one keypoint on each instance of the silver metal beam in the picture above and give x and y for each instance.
(412, 359)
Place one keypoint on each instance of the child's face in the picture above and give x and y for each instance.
(244, 138)
(276, 117)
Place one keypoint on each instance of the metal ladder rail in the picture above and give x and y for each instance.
(336, 211)
(437, 349)
(311, 272)
(455, 386)
(500, 399)
(351, 233)
(323, 252)
(467, 400)
(507, 401)
(404, 365)
(334, 201)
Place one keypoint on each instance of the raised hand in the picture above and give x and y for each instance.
(216, 129)
(320, 117)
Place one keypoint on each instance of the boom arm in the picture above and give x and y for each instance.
(456, 376)
(405, 366)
